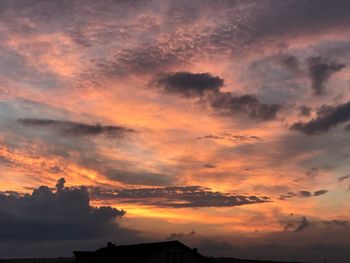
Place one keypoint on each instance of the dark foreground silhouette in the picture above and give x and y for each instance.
(39, 260)
(160, 252)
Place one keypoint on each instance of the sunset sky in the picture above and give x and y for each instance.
(223, 124)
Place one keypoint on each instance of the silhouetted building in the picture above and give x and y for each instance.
(160, 252)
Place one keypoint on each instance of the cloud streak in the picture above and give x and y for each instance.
(76, 129)
(304, 194)
(327, 118)
(178, 197)
(225, 103)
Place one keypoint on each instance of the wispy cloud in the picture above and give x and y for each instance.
(179, 197)
(70, 128)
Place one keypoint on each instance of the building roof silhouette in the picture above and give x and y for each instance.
(133, 253)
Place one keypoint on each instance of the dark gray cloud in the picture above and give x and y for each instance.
(189, 84)
(320, 192)
(296, 224)
(290, 62)
(313, 172)
(303, 194)
(320, 70)
(304, 223)
(305, 111)
(209, 165)
(211, 136)
(63, 214)
(176, 236)
(177, 197)
(225, 103)
(300, 223)
(327, 117)
(347, 127)
(70, 128)
(342, 178)
(317, 171)
(60, 184)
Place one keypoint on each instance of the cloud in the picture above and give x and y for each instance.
(137, 178)
(178, 36)
(296, 224)
(178, 197)
(189, 84)
(347, 127)
(231, 137)
(320, 192)
(142, 61)
(305, 111)
(60, 184)
(16, 68)
(320, 70)
(336, 223)
(152, 36)
(211, 136)
(61, 214)
(317, 226)
(303, 194)
(313, 172)
(317, 171)
(175, 236)
(225, 103)
(327, 117)
(297, 18)
(304, 223)
(76, 129)
(342, 178)
(290, 62)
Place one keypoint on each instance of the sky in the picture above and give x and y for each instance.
(223, 124)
